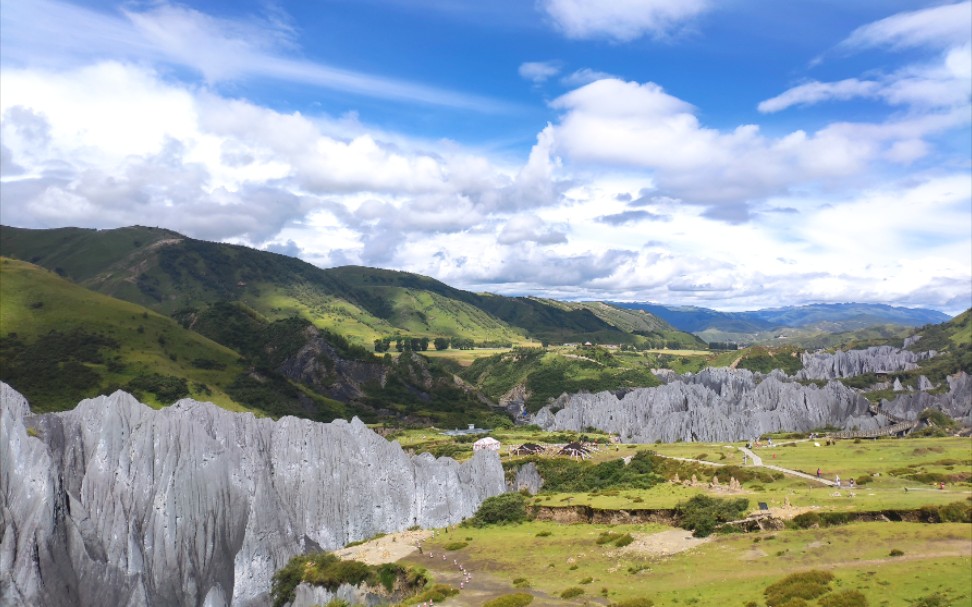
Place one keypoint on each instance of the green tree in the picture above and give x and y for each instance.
(441, 343)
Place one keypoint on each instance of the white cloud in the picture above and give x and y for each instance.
(814, 92)
(938, 27)
(584, 76)
(621, 20)
(539, 71)
(60, 34)
(922, 86)
(530, 228)
(612, 123)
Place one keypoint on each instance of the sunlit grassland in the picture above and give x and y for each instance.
(465, 357)
(34, 302)
(730, 569)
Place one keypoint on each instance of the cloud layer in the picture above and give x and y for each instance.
(629, 192)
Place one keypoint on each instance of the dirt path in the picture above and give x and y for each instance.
(758, 461)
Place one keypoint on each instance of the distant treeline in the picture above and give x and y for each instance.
(404, 343)
(723, 345)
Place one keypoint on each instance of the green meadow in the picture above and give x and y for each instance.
(727, 570)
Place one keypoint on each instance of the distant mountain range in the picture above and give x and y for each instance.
(753, 326)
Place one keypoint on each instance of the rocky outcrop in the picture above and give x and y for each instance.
(879, 359)
(713, 405)
(956, 402)
(527, 479)
(114, 503)
(322, 366)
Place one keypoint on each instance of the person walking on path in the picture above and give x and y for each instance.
(818, 472)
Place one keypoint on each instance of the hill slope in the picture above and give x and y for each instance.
(59, 342)
(170, 273)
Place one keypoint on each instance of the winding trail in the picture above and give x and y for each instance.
(758, 461)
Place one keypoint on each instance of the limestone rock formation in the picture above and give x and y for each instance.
(713, 405)
(878, 359)
(114, 503)
(527, 478)
(956, 402)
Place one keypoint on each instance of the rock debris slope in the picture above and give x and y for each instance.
(115, 503)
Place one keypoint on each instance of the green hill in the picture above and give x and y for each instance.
(60, 342)
(170, 273)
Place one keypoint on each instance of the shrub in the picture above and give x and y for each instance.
(586, 580)
(936, 599)
(544, 534)
(807, 585)
(634, 603)
(896, 552)
(518, 599)
(571, 592)
(501, 509)
(521, 582)
(455, 545)
(624, 540)
(845, 598)
(436, 593)
(701, 514)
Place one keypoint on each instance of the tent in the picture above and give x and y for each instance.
(528, 449)
(486, 444)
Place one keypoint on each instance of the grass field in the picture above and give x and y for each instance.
(35, 302)
(729, 569)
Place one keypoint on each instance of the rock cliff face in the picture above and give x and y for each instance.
(713, 405)
(114, 503)
(956, 402)
(824, 365)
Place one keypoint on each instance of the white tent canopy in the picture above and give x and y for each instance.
(489, 443)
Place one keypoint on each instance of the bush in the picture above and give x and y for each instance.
(807, 585)
(571, 592)
(702, 514)
(896, 552)
(436, 593)
(500, 510)
(586, 580)
(544, 534)
(624, 540)
(521, 582)
(845, 598)
(518, 599)
(455, 546)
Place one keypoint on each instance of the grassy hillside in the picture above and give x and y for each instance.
(168, 272)
(546, 374)
(655, 332)
(59, 341)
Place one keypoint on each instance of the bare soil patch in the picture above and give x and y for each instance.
(385, 549)
(665, 543)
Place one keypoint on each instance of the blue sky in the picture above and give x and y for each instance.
(734, 155)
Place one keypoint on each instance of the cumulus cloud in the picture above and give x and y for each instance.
(611, 123)
(621, 20)
(530, 228)
(539, 71)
